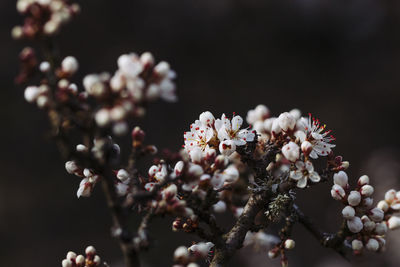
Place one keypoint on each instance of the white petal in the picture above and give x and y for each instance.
(302, 182)
(314, 177)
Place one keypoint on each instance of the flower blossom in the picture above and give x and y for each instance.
(305, 171)
(319, 138)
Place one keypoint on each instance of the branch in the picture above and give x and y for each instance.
(333, 241)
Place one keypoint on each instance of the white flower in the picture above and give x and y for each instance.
(202, 248)
(304, 172)
(317, 136)
(291, 151)
(199, 136)
(230, 130)
(207, 119)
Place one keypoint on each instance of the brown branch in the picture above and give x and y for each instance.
(333, 241)
(120, 223)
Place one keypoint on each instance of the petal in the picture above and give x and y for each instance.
(223, 134)
(302, 182)
(237, 122)
(314, 177)
(395, 206)
(309, 167)
(296, 175)
(299, 165)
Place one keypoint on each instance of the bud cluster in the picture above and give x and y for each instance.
(91, 259)
(43, 17)
(186, 257)
(367, 224)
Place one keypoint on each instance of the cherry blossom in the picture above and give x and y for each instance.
(305, 171)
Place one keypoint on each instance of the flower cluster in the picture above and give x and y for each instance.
(91, 259)
(367, 223)
(301, 140)
(209, 134)
(89, 178)
(137, 81)
(43, 17)
(186, 257)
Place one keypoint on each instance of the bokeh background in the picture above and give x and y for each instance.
(339, 59)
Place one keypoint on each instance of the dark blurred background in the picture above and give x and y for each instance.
(339, 59)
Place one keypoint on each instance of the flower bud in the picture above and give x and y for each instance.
(338, 192)
(80, 260)
(394, 222)
(66, 263)
(372, 244)
(71, 167)
(289, 244)
(306, 147)
(341, 179)
(381, 228)
(355, 225)
(31, 94)
(122, 175)
(227, 147)
(291, 151)
(196, 155)
(390, 195)
(367, 202)
(207, 118)
(102, 117)
(376, 214)
(383, 205)
(286, 121)
(357, 245)
(275, 129)
(348, 212)
(71, 255)
(90, 250)
(97, 260)
(181, 254)
(219, 207)
(367, 190)
(345, 165)
(354, 198)
(363, 180)
(69, 65)
(369, 226)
